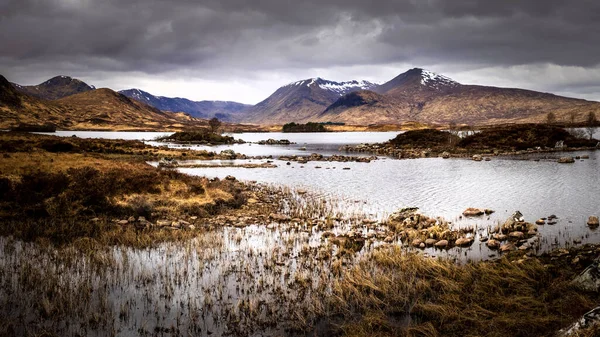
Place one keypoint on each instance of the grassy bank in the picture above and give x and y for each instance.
(63, 189)
(392, 293)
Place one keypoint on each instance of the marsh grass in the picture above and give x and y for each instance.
(392, 293)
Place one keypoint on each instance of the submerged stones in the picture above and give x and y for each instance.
(593, 221)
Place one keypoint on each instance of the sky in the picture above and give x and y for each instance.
(243, 50)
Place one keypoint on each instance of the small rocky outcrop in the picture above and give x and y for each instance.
(471, 211)
(566, 160)
(588, 320)
(272, 141)
(167, 162)
(593, 221)
(589, 279)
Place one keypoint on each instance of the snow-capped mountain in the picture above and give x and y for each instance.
(225, 111)
(302, 100)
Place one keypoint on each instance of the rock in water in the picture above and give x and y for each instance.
(473, 212)
(593, 221)
(442, 244)
(462, 242)
(566, 160)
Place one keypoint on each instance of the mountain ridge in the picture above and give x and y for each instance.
(55, 88)
(224, 110)
(422, 96)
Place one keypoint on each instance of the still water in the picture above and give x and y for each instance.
(537, 186)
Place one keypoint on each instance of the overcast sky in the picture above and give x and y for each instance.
(244, 50)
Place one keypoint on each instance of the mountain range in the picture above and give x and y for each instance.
(225, 111)
(416, 95)
(77, 108)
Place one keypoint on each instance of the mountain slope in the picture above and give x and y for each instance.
(17, 108)
(104, 107)
(301, 101)
(422, 96)
(226, 111)
(55, 88)
(101, 109)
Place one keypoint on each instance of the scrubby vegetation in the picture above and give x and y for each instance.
(34, 128)
(426, 138)
(63, 189)
(521, 137)
(200, 136)
(308, 127)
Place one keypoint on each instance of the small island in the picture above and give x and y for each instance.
(501, 140)
(200, 137)
(308, 127)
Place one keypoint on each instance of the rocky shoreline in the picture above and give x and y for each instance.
(383, 149)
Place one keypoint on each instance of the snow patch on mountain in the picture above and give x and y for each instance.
(343, 88)
(340, 88)
(436, 81)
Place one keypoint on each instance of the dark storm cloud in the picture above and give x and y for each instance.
(212, 37)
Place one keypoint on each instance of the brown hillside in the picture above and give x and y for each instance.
(422, 96)
(55, 88)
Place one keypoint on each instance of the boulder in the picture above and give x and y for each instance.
(462, 242)
(473, 212)
(593, 221)
(228, 154)
(589, 279)
(588, 320)
(477, 157)
(441, 244)
(507, 247)
(416, 242)
(540, 222)
(445, 155)
(167, 162)
(566, 160)
(163, 223)
(493, 244)
(500, 237)
(516, 235)
(430, 242)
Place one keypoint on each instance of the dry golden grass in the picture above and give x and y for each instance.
(57, 195)
(393, 293)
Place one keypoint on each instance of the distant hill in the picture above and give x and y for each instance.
(90, 110)
(301, 101)
(422, 96)
(225, 111)
(55, 88)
